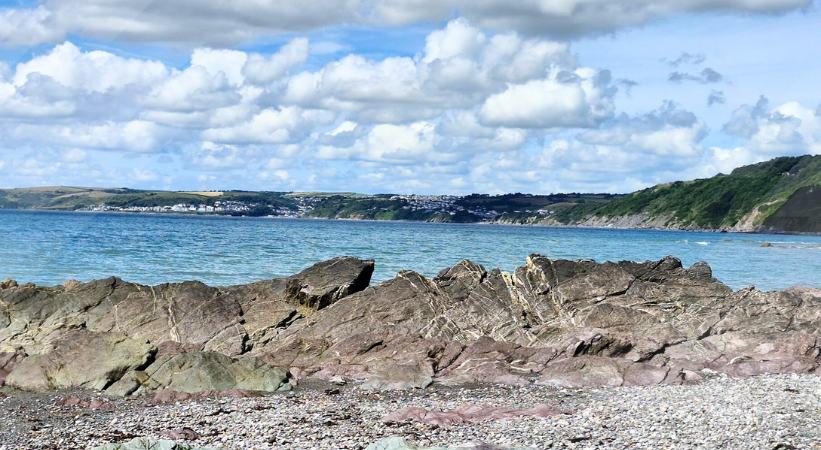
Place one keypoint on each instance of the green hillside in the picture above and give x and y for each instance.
(751, 197)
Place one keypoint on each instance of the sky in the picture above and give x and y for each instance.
(403, 96)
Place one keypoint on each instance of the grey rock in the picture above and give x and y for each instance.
(81, 359)
(102, 323)
(149, 444)
(203, 371)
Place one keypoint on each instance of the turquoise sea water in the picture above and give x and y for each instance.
(51, 247)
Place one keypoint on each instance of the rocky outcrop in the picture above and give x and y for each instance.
(124, 337)
(570, 323)
(574, 323)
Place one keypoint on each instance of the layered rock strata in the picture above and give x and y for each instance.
(569, 323)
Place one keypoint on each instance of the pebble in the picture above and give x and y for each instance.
(764, 412)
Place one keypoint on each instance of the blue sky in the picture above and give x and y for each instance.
(408, 96)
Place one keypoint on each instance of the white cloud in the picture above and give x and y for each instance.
(271, 126)
(24, 27)
(262, 69)
(387, 90)
(579, 99)
(789, 129)
(388, 143)
(94, 71)
(229, 63)
(460, 68)
(193, 89)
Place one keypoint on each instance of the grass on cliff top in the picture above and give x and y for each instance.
(723, 199)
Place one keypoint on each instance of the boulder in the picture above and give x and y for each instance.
(319, 285)
(205, 371)
(81, 359)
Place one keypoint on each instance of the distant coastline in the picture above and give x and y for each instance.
(353, 219)
(782, 195)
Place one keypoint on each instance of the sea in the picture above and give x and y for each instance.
(52, 247)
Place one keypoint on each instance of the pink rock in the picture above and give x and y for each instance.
(182, 434)
(171, 396)
(468, 414)
(77, 402)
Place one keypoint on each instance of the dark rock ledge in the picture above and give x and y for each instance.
(568, 323)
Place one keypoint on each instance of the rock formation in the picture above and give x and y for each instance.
(570, 323)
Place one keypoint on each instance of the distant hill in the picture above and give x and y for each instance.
(78, 199)
(780, 195)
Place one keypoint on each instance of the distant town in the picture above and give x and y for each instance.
(305, 206)
(514, 208)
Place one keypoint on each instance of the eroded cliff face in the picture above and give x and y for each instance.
(572, 323)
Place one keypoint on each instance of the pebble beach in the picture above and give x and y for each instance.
(764, 412)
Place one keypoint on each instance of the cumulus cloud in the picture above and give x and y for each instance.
(226, 23)
(94, 71)
(579, 99)
(263, 69)
(389, 143)
(461, 67)
(789, 129)
(271, 126)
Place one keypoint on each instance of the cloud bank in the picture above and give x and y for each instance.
(228, 23)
